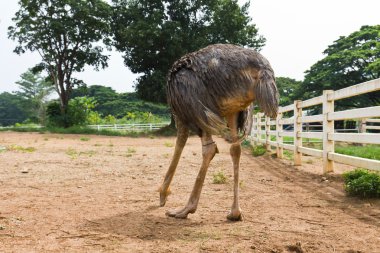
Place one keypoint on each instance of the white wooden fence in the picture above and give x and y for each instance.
(131, 127)
(274, 127)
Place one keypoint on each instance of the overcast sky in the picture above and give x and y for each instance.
(297, 32)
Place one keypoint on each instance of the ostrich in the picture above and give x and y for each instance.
(211, 91)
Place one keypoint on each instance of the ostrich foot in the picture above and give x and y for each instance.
(182, 213)
(163, 196)
(235, 215)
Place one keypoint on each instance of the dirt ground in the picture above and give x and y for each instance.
(76, 193)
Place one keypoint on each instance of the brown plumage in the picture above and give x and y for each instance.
(212, 90)
(203, 84)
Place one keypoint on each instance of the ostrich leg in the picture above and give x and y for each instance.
(182, 135)
(235, 151)
(209, 149)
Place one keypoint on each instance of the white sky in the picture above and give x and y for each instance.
(297, 32)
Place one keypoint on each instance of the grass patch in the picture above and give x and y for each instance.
(21, 149)
(288, 154)
(72, 153)
(362, 183)
(89, 153)
(367, 151)
(219, 178)
(131, 151)
(75, 154)
(84, 138)
(259, 150)
(168, 144)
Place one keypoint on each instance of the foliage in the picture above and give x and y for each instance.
(120, 104)
(367, 151)
(34, 90)
(219, 178)
(78, 112)
(246, 144)
(362, 183)
(349, 60)
(11, 109)
(288, 89)
(64, 33)
(154, 34)
(258, 150)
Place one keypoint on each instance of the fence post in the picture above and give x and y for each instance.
(267, 135)
(279, 149)
(259, 128)
(328, 127)
(363, 125)
(254, 129)
(297, 130)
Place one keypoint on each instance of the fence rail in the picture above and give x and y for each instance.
(130, 127)
(327, 134)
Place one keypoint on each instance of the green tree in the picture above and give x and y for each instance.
(289, 90)
(11, 109)
(66, 34)
(102, 94)
(154, 34)
(349, 60)
(78, 112)
(35, 90)
(109, 102)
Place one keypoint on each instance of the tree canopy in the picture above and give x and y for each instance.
(34, 91)
(66, 34)
(154, 34)
(288, 89)
(11, 109)
(350, 60)
(109, 102)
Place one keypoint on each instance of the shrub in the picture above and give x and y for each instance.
(246, 144)
(258, 150)
(219, 178)
(77, 112)
(362, 183)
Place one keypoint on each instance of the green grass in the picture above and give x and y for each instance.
(75, 154)
(168, 144)
(131, 150)
(219, 178)
(288, 154)
(21, 149)
(367, 151)
(258, 150)
(72, 153)
(84, 138)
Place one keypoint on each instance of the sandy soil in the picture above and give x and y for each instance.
(99, 194)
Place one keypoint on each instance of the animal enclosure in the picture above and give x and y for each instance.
(100, 195)
(275, 127)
